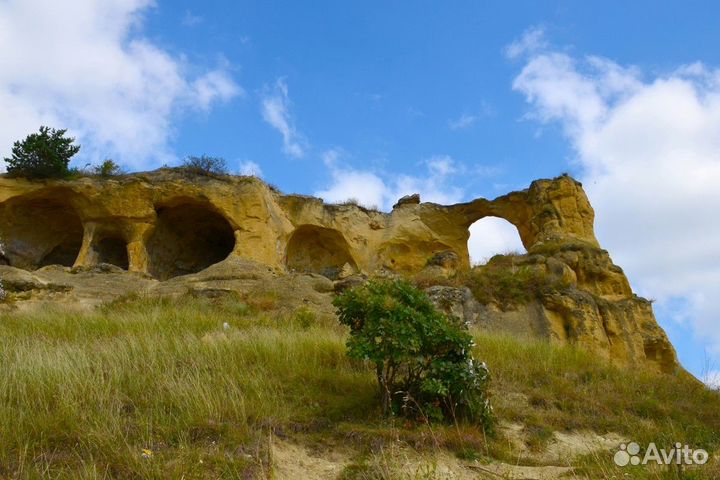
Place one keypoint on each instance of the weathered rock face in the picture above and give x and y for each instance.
(587, 302)
(166, 224)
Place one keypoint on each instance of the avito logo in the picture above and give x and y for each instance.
(679, 455)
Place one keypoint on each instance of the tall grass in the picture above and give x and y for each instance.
(162, 389)
(548, 389)
(87, 393)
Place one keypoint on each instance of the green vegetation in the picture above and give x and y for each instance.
(508, 282)
(108, 168)
(423, 359)
(567, 388)
(557, 389)
(205, 165)
(42, 155)
(305, 318)
(350, 201)
(354, 202)
(82, 395)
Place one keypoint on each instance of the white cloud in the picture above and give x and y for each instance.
(467, 120)
(365, 187)
(462, 122)
(373, 189)
(491, 236)
(488, 236)
(212, 87)
(436, 186)
(532, 40)
(650, 153)
(276, 112)
(250, 168)
(442, 165)
(190, 19)
(331, 156)
(487, 171)
(85, 66)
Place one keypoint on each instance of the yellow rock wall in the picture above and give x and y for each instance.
(168, 223)
(130, 210)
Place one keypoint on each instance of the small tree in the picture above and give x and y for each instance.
(205, 165)
(423, 359)
(108, 168)
(42, 155)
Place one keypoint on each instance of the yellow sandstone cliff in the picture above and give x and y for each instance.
(166, 224)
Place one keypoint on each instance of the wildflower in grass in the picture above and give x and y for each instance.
(147, 453)
(226, 326)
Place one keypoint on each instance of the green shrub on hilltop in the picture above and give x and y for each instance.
(108, 168)
(423, 360)
(205, 165)
(42, 155)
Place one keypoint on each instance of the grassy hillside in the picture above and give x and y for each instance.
(159, 389)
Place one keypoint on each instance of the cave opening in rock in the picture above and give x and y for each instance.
(318, 250)
(40, 231)
(492, 236)
(188, 237)
(113, 250)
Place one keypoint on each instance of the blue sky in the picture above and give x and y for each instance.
(373, 100)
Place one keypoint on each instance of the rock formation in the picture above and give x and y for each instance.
(166, 224)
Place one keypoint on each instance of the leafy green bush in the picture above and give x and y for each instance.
(205, 165)
(423, 360)
(42, 155)
(108, 168)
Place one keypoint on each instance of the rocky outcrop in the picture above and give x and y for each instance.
(578, 297)
(168, 224)
(168, 227)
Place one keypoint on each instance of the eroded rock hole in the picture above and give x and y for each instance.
(660, 353)
(113, 250)
(492, 236)
(318, 250)
(188, 238)
(40, 232)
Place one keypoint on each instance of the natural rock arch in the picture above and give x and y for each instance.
(188, 237)
(40, 231)
(492, 235)
(318, 250)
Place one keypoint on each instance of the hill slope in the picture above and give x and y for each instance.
(159, 388)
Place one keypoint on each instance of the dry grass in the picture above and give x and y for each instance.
(82, 395)
(558, 389)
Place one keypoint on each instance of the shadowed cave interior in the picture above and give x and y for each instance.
(112, 250)
(188, 238)
(318, 250)
(38, 232)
